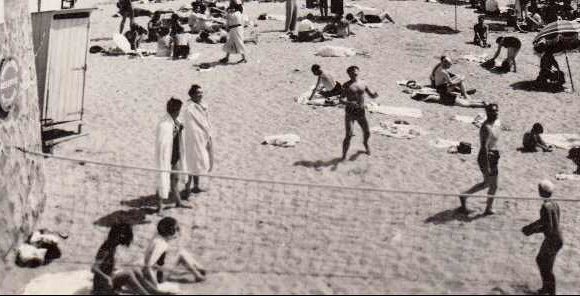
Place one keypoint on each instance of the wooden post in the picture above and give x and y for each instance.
(569, 72)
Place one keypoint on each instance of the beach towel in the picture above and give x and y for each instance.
(476, 120)
(335, 51)
(163, 152)
(443, 143)
(317, 99)
(394, 110)
(562, 141)
(398, 131)
(286, 140)
(78, 282)
(567, 177)
(197, 138)
(475, 58)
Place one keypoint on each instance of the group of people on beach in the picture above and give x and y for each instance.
(213, 24)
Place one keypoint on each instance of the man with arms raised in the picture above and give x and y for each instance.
(354, 91)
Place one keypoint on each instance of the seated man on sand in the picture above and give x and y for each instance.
(448, 85)
(574, 155)
(480, 31)
(325, 85)
(307, 32)
(339, 28)
(533, 139)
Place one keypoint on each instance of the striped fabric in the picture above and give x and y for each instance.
(558, 27)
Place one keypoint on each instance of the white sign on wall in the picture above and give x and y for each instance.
(1, 11)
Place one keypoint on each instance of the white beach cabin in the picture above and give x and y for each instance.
(61, 40)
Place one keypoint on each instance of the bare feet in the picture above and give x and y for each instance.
(488, 212)
(224, 60)
(242, 61)
(196, 190)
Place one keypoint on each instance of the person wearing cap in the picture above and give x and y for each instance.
(487, 159)
(448, 84)
(169, 149)
(549, 224)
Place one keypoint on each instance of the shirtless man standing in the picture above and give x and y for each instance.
(487, 159)
(354, 91)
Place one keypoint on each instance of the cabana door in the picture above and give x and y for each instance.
(66, 68)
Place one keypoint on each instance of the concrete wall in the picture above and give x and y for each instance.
(21, 176)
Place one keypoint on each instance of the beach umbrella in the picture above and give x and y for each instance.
(559, 36)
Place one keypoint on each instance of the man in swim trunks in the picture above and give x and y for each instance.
(487, 159)
(354, 91)
(448, 84)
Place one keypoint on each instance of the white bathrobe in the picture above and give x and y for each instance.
(197, 137)
(163, 152)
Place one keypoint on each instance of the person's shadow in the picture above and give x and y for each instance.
(318, 164)
(434, 29)
(452, 215)
(356, 155)
(534, 86)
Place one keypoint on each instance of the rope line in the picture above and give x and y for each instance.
(335, 187)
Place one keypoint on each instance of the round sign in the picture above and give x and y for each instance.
(9, 83)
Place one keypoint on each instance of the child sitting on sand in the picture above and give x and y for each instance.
(156, 255)
(533, 139)
(480, 32)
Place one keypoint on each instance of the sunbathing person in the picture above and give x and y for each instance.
(550, 75)
(513, 45)
(307, 32)
(449, 86)
(533, 140)
(201, 20)
(480, 32)
(326, 82)
(382, 17)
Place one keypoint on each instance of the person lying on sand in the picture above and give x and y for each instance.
(533, 139)
(307, 31)
(326, 82)
(362, 19)
(448, 85)
(339, 28)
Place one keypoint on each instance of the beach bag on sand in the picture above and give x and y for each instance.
(464, 148)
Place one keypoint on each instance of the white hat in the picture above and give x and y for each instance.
(546, 186)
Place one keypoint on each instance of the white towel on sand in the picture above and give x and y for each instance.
(78, 282)
(443, 143)
(317, 99)
(398, 131)
(567, 177)
(562, 141)
(394, 110)
(476, 120)
(286, 140)
(335, 51)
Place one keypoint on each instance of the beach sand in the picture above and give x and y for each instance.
(274, 238)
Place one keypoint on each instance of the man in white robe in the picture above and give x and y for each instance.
(169, 153)
(198, 139)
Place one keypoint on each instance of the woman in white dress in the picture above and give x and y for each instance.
(235, 26)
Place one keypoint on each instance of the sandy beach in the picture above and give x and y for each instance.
(257, 237)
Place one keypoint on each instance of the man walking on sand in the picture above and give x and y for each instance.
(169, 147)
(549, 224)
(291, 15)
(354, 92)
(487, 159)
(126, 11)
(198, 140)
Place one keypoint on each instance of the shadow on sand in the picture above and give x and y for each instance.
(452, 215)
(533, 86)
(131, 217)
(318, 164)
(433, 29)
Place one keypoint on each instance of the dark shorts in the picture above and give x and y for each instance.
(446, 98)
(493, 156)
(181, 51)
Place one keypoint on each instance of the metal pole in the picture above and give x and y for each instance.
(456, 15)
(569, 72)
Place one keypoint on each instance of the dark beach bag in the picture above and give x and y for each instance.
(464, 148)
